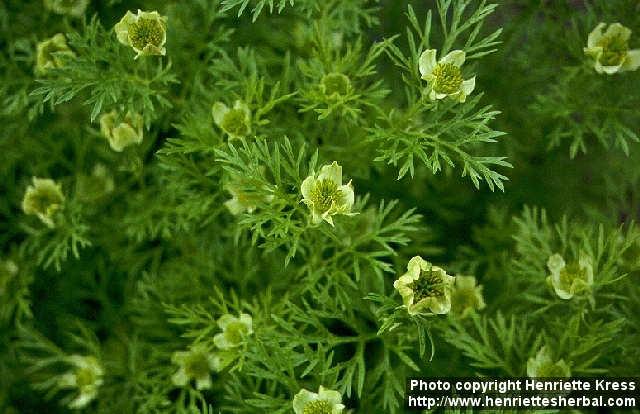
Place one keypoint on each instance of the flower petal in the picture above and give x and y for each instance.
(349, 196)
(610, 70)
(416, 265)
(301, 399)
(247, 321)
(203, 383)
(328, 219)
(122, 28)
(221, 342)
(234, 206)
(555, 263)
(219, 110)
(334, 397)
(82, 400)
(618, 30)
(180, 378)
(632, 61)
(455, 57)
(243, 107)
(468, 86)
(225, 320)
(331, 172)
(440, 306)
(427, 62)
(595, 35)
(307, 187)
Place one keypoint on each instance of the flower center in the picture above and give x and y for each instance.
(614, 50)
(235, 332)
(85, 377)
(335, 83)
(571, 273)
(234, 122)
(197, 365)
(46, 201)
(325, 194)
(429, 284)
(146, 32)
(448, 78)
(317, 407)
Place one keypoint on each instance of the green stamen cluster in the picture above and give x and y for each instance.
(448, 78)
(570, 273)
(197, 365)
(235, 332)
(428, 285)
(234, 122)
(324, 194)
(146, 32)
(85, 377)
(317, 407)
(615, 49)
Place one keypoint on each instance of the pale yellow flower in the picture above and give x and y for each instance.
(236, 121)
(235, 331)
(323, 402)
(326, 196)
(145, 32)
(568, 280)
(195, 364)
(51, 53)
(444, 76)
(86, 377)
(121, 131)
(425, 288)
(543, 366)
(610, 49)
(43, 198)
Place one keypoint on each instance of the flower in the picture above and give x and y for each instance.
(44, 198)
(325, 194)
(75, 8)
(121, 132)
(444, 76)
(543, 366)
(234, 121)
(86, 377)
(145, 32)
(323, 402)
(567, 280)
(8, 269)
(196, 364)
(610, 49)
(234, 330)
(425, 286)
(334, 85)
(466, 297)
(51, 53)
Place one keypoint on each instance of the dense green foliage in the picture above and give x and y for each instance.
(134, 251)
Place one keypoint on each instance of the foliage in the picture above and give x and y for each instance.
(154, 244)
